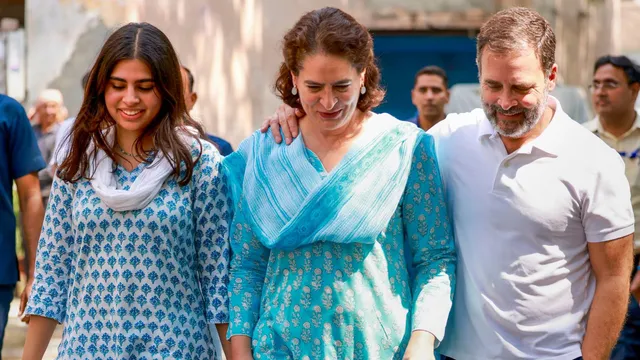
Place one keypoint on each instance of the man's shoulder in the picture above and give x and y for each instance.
(218, 139)
(9, 107)
(473, 117)
(224, 146)
(582, 135)
(591, 125)
(459, 124)
(8, 101)
(584, 147)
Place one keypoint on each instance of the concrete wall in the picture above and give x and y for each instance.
(629, 27)
(232, 46)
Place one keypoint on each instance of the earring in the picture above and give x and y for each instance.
(294, 91)
(363, 90)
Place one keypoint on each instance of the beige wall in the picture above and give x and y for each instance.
(232, 46)
(630, 27)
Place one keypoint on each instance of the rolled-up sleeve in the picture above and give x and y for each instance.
(212, 212)
(248, 268)
(607, 213)
(54, 260)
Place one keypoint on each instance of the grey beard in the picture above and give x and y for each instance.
(529, 121)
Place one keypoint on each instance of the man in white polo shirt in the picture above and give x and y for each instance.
(540, 205)
(541, 210)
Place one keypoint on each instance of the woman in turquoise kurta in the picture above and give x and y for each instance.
(341, 243)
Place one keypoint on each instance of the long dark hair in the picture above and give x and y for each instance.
(144, 42)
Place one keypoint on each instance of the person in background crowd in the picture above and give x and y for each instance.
(615, 86)
(430, 94)
(20, 161)
(190, 98)
(47, 116)
(62, 141)
(134, 253)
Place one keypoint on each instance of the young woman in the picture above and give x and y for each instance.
(134, 249)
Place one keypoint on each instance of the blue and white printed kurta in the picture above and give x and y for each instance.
(330, 300)
(140, 284)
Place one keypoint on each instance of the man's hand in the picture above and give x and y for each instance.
(611, 262)
(420, 346)
(24, 298)
(285, 118)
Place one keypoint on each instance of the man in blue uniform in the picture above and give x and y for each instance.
(20, 161)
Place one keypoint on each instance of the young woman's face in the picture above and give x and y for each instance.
(131, 98)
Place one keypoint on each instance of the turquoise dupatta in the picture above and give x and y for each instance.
(289, 204)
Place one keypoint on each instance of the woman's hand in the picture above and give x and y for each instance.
(241, 348)
(420, 346)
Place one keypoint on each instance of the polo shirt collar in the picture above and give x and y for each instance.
(485, 128)
(550, 139)
(554, 135)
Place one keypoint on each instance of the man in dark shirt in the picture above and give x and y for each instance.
(190, 98)
(20, 161)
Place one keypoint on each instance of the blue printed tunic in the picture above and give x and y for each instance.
(140, 284)
(349, 301)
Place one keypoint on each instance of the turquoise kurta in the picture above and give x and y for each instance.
(358, 300)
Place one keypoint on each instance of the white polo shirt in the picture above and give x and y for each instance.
(626, 145)
(522, 222)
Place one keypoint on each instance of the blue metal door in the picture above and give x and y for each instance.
(400, 56)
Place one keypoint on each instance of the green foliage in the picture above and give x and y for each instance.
(16, 211)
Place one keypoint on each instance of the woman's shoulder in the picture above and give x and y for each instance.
(259, 142)
(204, 154)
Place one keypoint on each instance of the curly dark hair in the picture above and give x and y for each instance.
(333, 32)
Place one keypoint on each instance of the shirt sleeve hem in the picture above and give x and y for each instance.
(238, 332)
(46, 314)
(29, 170)
(222, 320)
(438, 334)
(611, 235)
(437, 331)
